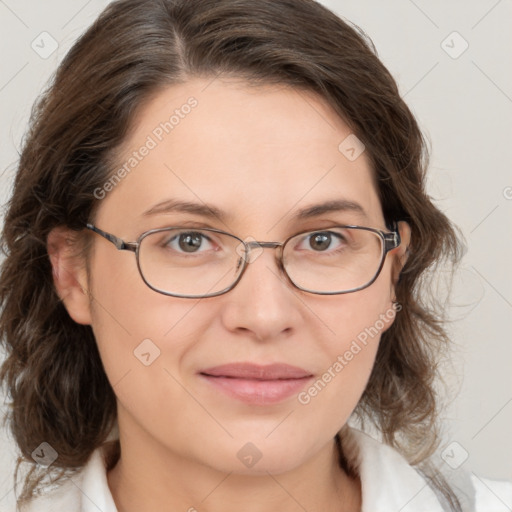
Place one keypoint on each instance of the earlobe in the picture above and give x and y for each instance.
(69, 274)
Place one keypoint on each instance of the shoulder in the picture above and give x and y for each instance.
(492, 495)
(85, 491)
(65, 496)
(390, 483)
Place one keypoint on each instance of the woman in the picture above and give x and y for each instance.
(257, 159)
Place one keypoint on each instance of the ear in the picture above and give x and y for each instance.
(69, 274)
(401, 253)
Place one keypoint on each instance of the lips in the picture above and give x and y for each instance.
(257, 384)
(257, 372)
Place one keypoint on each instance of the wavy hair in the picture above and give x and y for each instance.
(57, 389)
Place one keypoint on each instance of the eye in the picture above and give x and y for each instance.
(321, 241)
(189, 242)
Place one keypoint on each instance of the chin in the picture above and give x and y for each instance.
(258, 457)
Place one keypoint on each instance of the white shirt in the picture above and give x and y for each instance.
(388, 482)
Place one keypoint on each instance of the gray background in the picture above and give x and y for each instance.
(463, 102)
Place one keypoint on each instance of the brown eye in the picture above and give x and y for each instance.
(190, 242)
(187, 242)
(320, 241)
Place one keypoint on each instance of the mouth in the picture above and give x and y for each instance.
(257, 384)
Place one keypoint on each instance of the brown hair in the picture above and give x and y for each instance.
(55, 380)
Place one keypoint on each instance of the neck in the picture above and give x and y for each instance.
(150, 477)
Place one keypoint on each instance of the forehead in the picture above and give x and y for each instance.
(256, 153)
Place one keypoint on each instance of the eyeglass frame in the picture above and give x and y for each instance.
(390, 240)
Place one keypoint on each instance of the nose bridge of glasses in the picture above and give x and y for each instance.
(264, 244)
(255, 248)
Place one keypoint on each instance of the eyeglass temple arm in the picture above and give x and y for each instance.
(393, 239)
(120, 244)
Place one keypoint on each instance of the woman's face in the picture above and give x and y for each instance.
(259, 155)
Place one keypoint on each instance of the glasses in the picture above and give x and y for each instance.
(196, 263)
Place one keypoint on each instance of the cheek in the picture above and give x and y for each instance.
(355, 322)
(357, 317)
(134, 326)
(143, 338)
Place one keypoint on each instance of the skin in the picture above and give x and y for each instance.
(259, 153)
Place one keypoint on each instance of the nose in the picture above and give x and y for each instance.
(263, 303)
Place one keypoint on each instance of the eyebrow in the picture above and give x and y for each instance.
(211, 211)
(174, 205)
(337, 205)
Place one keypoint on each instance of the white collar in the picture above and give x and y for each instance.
(388, 482)
(96, 493)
